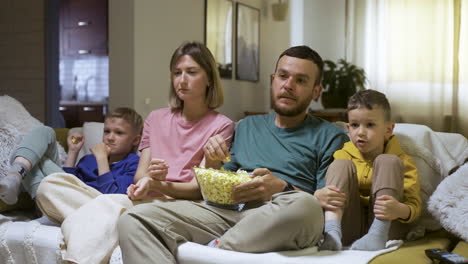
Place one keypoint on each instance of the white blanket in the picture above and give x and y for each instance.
(435, 154)
(449, 203)
(192, 253)
(15, 122)
(38, 241)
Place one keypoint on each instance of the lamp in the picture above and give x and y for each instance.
(279, 10)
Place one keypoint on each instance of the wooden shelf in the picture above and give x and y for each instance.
(331, 114)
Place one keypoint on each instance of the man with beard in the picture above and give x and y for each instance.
(289, 149)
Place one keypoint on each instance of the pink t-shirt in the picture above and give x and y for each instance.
(179, 142)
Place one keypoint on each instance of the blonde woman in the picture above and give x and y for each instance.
(174, 140)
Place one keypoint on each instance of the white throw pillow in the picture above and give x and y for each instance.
(92, 132)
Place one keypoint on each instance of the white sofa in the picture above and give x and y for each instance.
(436, 154)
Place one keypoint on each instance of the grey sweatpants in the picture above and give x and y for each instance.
(151, 232)
(40, 149)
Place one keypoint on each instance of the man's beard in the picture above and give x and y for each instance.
(299, 109)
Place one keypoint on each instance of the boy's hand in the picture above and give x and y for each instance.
(330, 197)
(158, 169)
(261, 188)
(140, 190)
(216, 149)
(100, 151)
(75, 142)
(386, 207)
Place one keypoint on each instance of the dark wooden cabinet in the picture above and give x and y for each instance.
(331, 114)
(83, 27)
(76, 115)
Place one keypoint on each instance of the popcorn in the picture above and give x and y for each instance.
(216, 185)
(75, 140)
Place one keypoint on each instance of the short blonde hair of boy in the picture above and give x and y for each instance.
(203, 57)
(129, 115)
(369, 99)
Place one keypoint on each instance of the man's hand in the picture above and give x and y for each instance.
(140, 190)
(158, 169)
(386, 207)
(216, 149)
(100, 151)
(330, 197)
(75, 142)
(261, 188)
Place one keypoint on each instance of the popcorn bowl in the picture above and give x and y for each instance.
(216, 185)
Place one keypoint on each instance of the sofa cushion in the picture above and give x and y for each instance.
(461, 249)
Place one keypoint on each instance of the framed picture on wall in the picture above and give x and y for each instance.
(218, 37)
(247, 43)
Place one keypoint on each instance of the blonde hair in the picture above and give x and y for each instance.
(129, 115)
(203, 57)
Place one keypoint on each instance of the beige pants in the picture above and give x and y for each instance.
(387, 179)
(89, 218)
(151, 232)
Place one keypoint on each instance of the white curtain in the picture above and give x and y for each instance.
(415, 52)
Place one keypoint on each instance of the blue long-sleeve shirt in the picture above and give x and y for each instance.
(116, 180)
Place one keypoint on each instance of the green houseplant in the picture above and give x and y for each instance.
(340, 81)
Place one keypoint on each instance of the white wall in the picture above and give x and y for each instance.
(243, 96)
(144, 33)
(22, 54)
(321, 25)
(121, 54)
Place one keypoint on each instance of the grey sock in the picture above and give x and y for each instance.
(332, 240)
(10, 184)
(376, 238)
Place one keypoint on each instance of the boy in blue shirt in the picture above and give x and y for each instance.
(109, 169)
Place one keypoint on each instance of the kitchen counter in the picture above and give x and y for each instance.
(66, 103)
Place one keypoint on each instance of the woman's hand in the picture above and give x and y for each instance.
(216, 149)
(157, 169)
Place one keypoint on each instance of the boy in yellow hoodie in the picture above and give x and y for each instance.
(371, 182)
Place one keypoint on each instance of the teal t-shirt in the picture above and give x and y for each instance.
(299, 155)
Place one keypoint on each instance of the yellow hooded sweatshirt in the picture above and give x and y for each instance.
(411, 187)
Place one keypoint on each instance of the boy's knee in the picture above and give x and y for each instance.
(339, 169)
(343, 163)
(388, 160)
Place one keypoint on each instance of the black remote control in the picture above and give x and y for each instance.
(445, 257)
